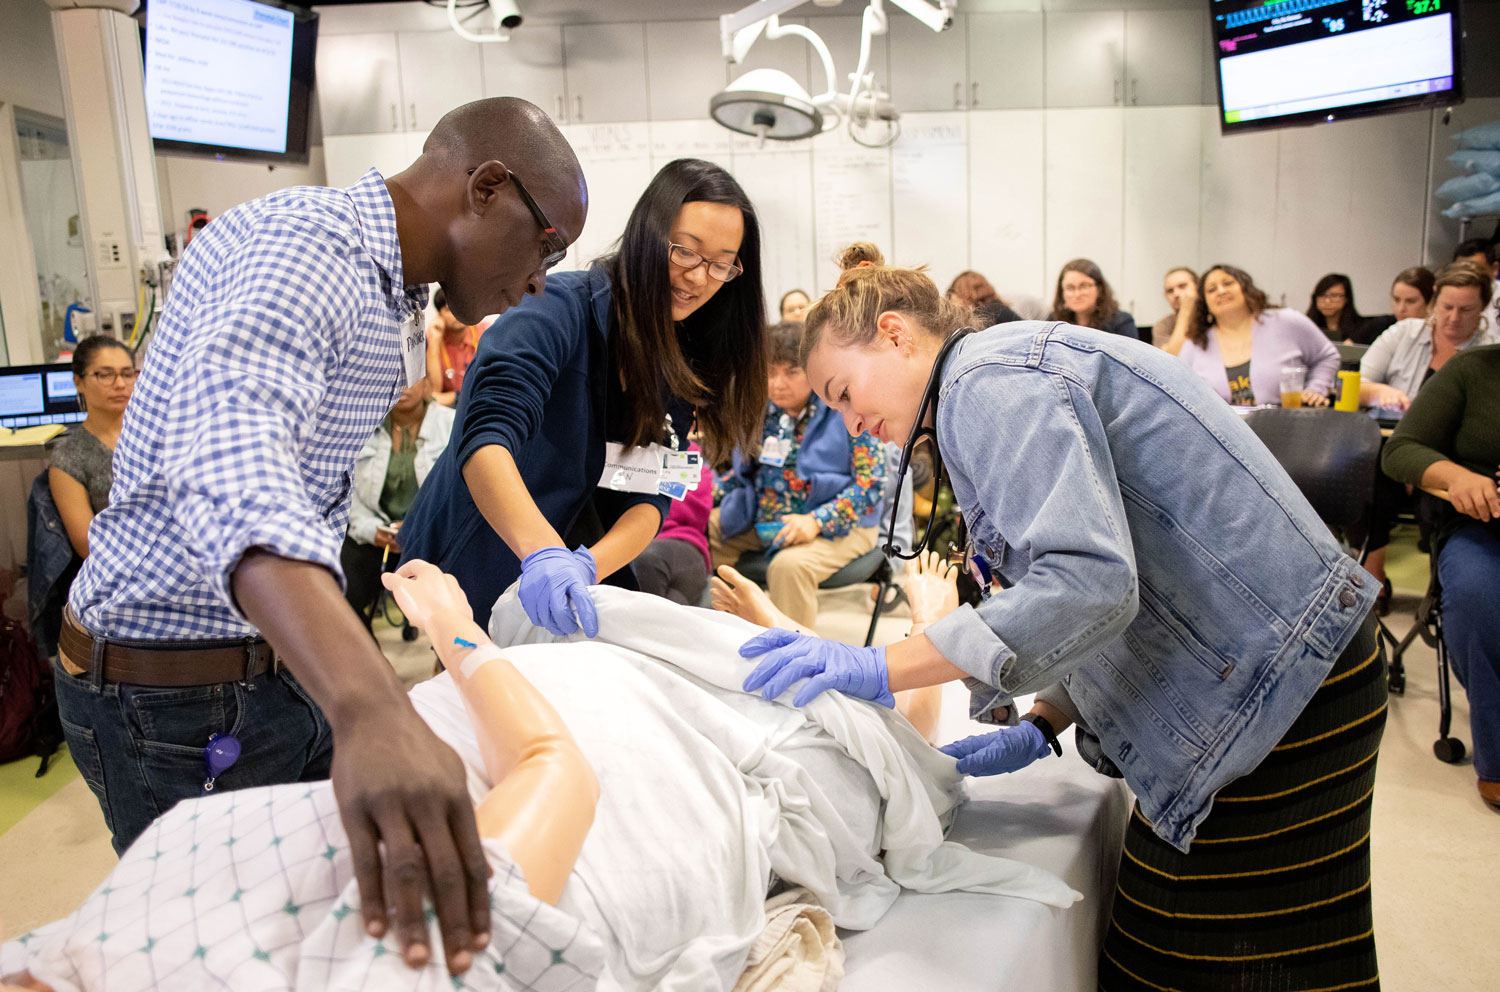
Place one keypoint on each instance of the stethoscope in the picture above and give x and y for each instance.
(920, 431)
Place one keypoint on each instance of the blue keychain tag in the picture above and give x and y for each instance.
(222, 752)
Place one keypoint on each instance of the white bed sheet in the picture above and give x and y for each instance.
(1058, 814)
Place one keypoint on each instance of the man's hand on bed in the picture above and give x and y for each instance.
(790, 657)
(1006, 750)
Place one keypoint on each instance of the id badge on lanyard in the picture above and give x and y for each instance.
(414, 349)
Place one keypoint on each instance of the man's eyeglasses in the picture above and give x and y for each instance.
(557, 248)
(107, 377)
(684, 257)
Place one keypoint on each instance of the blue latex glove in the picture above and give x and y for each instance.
(554, 585)
(789, 657)
(1008, 749)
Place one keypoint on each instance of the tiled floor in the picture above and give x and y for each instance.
(1436, 846)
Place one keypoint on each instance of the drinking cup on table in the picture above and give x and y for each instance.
(1293, 378)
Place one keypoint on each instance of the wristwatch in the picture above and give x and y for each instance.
(1048, 734)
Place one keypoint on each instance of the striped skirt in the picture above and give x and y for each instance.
(1274, 895)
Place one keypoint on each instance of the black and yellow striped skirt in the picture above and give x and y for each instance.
(1274, 894)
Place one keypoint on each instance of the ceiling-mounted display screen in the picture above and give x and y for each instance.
(1302, 61)
(229, 77)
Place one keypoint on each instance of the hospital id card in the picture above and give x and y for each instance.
(774, 451)
(414, 349)
(632, 470)
(684, 467)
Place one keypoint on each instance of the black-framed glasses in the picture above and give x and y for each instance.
(684, 257)
(557, 248)
(107, 377)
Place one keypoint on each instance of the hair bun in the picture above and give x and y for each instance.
(857, 254)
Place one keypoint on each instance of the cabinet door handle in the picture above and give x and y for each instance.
(958, 96)
(973, 94)
(411, 125)
(1116, 98)
(559, 114)
(1135, 91)
(578, 108)
(395, 118)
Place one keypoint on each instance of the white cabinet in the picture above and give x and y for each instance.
(346, 157)
(842, 35)
(1085, 186)
(1085, 58)
(529, 66)
(1162, 175)
(605, 65)
(439, 71)
(685, 67)
(927, 67)
(1006, 57)
(1164, 57)
(1006, 219)
(359, 84)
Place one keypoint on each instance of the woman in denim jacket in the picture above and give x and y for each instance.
(1159, 581)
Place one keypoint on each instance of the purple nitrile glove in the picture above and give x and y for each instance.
(790, 657)
(1008, 749)
(554, 585)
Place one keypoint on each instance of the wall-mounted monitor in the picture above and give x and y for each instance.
(1283, 62)
(230, 78)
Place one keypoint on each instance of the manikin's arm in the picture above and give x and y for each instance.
(542, 803)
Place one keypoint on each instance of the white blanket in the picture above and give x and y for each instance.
(707, 790)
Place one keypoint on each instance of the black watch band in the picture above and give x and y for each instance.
(1048, 734)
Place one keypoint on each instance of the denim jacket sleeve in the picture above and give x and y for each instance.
(1032, 467)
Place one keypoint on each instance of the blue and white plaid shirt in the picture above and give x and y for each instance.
(278, 353)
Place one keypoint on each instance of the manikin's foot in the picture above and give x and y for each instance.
(731, 592)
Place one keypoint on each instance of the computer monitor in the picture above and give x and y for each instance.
(32, 395)
(1284, 62)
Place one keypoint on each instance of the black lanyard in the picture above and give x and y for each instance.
(919, 431)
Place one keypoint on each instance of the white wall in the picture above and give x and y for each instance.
(188, 181)
(29, 75)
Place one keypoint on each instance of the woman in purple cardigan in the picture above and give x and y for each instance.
(1239, 344)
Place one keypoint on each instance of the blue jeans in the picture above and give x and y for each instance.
(140, 748)
(1469, 570)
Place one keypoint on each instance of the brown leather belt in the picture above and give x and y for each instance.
(167, 663)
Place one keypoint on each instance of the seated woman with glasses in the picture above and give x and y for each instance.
(1083, 297)
(1332, 309)
(79, 459)
(629, 352)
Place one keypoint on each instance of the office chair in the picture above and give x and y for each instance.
(871, 566)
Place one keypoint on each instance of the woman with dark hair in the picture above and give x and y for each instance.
(973, 290)
(1411, 296)
(1239, 343)
(1083, 297)
(79, 470)
(794, 304)
(1332, 309)
(630, 351)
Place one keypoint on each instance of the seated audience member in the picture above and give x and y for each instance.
(1332, 309)
(1484, 254)
(1411, 296)
(387, 474)
(1180, 287)
(79, 469)
(822, 487)
(794, 305)
(1401, 360)
(1450, 440)
(974, 291)
(1083, 297)
(1239, 343)
(675, 564)
(450, 349)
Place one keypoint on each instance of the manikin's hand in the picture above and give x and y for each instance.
(424, 593)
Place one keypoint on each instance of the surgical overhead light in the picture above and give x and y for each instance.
(504, 17)
(767, 103)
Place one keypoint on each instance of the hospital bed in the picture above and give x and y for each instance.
(1057, 814)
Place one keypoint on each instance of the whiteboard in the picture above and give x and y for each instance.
(851, 200)
(930, 194)
(616, 161)
(690, 139)
(1006, 219)
(778, 178)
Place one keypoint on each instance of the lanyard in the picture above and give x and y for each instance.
(919, 431)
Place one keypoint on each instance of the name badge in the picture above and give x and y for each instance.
(632, 470)
(414, 349)
(774, 451)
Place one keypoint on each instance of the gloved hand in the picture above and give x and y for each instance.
(554, 584)
(789, 657)
(1008, 749)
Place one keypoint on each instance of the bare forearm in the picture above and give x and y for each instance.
(502, 496)
(297, 605)
(1180, 331)
(1442, 475)
(629, 536)
(916, 662)
(1054, 716)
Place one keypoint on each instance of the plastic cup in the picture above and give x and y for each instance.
(1293, 379)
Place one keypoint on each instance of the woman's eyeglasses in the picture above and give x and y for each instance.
(107, 377)
(684, 257)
